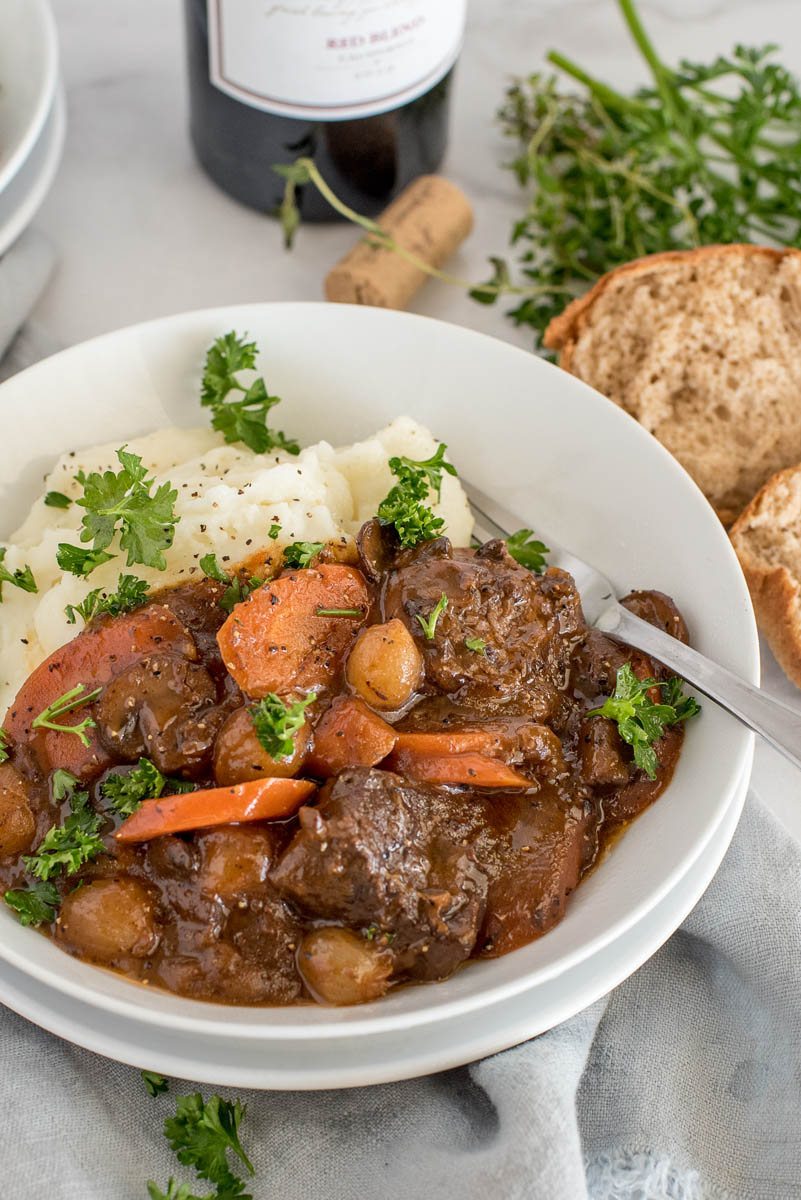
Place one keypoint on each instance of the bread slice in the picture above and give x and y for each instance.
(703, 347)
(767, 540)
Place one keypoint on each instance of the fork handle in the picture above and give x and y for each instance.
(776, 722)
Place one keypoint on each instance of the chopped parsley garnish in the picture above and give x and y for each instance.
(429, 624)
(274, 531)
(242, 420)
(62, 782)
(67, 847)
(57, 500)
(131, 593)
(640, 721)
(125, 790)
(79, 560)
(21, 578)
(123, 503)
(74, 698)
(300, 554)
(403, 507)
(3, 745)
(276, 722)
(526, 550)
(477, 645)
(339, 612)
(238, 589)
(154, 1082)
(36, 904)
(201, 1134)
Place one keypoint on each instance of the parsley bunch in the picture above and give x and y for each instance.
(131, 593)
(640, 721)
(276, 722)
(403, 508)
(703, 154)
(122, 503)
(125, 790)
(242, 420)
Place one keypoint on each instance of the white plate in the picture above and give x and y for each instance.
(570, 462)
(21, 198)
(28, 75)
(275, 1065)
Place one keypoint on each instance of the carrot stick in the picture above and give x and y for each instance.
(349, 735)
(475, 769)
(92, 658)
(257, 800)
(279, 640)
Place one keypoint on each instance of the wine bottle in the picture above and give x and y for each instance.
(361, 86)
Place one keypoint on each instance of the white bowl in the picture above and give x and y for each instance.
(567, 460)
(28, 76)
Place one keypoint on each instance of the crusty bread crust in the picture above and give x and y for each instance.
(775, 591)
(565, 330)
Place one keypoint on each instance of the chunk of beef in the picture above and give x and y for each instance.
(529, 625)
(371, 854)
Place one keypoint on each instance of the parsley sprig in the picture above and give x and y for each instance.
(125, 503)
(65, 848)
(641, 721)
(125, 790)
(300, 554)
(131, 593)
(22, 577)
(238, 589)
(527, 550)
(429, 624)
(36, 904)
(242, 420)
(74, 698)
(202, 1134)
(403, 507)
(155, 1083)
(276, 722)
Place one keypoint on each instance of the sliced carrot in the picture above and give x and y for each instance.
(277, 640)
(477, 770)
(453, 741)
(349, 735)
(92, 658)
(257, 800)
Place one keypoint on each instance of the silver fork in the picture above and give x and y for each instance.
(776, 722)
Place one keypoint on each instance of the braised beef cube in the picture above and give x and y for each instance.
(601, 751)
(658, 609)
(369, 855)
(526, 626)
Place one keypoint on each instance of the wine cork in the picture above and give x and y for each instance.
(430, 218)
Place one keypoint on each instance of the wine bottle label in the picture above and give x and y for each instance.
(330, 60)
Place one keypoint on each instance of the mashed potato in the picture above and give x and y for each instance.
(228, 497)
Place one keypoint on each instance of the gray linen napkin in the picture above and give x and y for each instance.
(683, 1084)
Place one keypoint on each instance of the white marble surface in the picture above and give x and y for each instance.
(142, 232)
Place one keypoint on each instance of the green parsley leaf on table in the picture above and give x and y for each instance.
(57, 500)
(641, 721)
(429, 624)
(525, 549)
(65, 848)
(125, 790)
(36, 904)
(201, 1134)
(177, 1191)
(242, 420)
(154, 1083)
(300, 554)
(22, 577)
(74, 698)
(403, 507)
(276, 722)
(131, 593)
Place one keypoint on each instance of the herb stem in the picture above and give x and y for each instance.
(604, 93)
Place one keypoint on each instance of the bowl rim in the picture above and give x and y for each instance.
(44, 22)
(293, 1027)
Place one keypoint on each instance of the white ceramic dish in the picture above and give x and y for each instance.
(28, 77)
(274, 1064)
(20, 200)
(551, 449)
